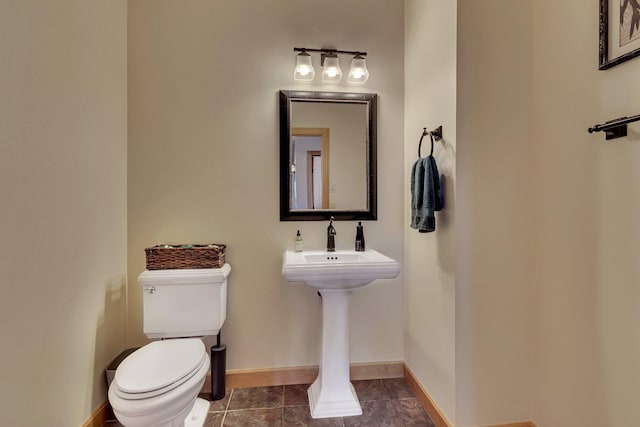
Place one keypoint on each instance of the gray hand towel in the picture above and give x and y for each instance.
(417, 184)
(437, 189)
(426, 195)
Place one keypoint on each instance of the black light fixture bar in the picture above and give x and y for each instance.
(330, 51)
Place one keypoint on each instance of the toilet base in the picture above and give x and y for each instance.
(198, 414)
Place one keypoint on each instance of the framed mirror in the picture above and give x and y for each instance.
(328, 164)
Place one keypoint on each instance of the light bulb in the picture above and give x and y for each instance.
(304, 68)
(358, 72)
(331, 72)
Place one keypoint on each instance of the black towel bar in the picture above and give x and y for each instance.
(615, 128)
(436, 135)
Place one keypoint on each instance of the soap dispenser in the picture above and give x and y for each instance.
(298, 242)
(359, 237)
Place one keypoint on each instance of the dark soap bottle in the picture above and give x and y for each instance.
(359, 237)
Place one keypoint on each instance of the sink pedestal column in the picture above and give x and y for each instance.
(331, 394)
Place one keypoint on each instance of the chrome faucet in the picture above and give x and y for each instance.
(331, 240)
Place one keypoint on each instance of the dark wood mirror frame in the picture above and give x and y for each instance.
(370, 211)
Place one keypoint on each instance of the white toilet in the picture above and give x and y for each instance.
(158, 384)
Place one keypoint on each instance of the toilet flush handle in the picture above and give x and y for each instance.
(149, 289)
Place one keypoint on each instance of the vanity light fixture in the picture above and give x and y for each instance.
(331, 71)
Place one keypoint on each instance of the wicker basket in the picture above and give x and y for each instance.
(171, 257)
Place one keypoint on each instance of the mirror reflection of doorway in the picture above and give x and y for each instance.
(314, 181)
(310, 168)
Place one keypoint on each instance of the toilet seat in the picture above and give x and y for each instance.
(159, 367)
(163, 403)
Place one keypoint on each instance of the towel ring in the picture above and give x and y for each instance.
(434, 135)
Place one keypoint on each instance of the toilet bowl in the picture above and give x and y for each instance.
(158, 385)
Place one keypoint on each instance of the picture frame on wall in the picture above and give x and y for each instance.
(619, 32)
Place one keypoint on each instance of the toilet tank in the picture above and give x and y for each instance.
(184, 303)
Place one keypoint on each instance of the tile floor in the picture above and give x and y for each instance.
(385, 403)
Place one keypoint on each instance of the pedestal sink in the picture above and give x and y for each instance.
(336, 275)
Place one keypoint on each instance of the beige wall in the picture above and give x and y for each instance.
(63, 216)
(546, 307)
(429, 288)
(586, 335)
(494, 212)
(203, 161)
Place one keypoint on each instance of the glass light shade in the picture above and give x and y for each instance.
(331, 71)
(304, 68)
(358, 72)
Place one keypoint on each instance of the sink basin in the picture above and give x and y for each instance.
(336, 275)
(344, 269)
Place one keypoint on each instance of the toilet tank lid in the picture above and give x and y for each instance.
(159, 364)
(187, 276)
